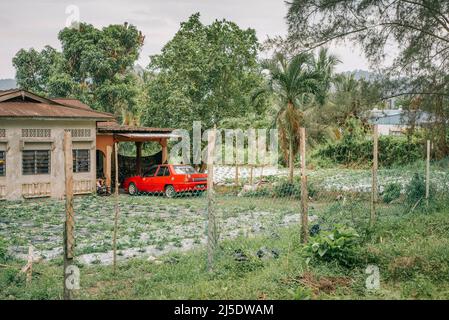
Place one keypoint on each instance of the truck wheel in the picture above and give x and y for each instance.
(132, 189)
(170, 192)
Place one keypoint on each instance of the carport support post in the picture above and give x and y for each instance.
(69, 225)
(138, 158)
(116, 208)
(374, 190)
(304, 193)
(211, 223)
(108, 168)
(163, 143)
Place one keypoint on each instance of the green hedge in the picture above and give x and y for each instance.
(392, 151)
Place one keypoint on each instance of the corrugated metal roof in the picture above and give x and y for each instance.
(44, 110)
(398, 117)
(72, 103)
(24, 104)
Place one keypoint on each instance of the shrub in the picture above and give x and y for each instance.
(416, 189)
(392, 192)
(392, 151)
(339, 244)
(287, 189)
(3, 250)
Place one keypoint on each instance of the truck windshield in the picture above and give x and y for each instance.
(184, 169)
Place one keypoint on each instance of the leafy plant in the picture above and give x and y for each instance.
(392, 192)
(353, 149)
(3, 250)
(338, 244)
(287, 189)
(416, 189)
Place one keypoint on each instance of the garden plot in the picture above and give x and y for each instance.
(335, 180)
(350, 180)
(148, 225)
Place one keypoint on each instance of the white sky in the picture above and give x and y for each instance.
(26, 24)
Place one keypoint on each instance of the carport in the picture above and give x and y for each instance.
(108, 133)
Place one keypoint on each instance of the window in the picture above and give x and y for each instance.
(150, 172)
(163, 172)
(35, 162)
(2, 163)
(81, 160)
(184, 170)
(36, 133)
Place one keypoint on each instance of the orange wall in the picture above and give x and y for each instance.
(103, 141)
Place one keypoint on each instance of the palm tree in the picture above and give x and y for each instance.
(297, 83)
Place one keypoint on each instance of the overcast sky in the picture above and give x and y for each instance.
(26, 24)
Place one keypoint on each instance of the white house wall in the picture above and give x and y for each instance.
(14, 185)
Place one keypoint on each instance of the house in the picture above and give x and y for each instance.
(31, 140)
(396, 121)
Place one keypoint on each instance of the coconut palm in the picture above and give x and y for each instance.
(297, 84)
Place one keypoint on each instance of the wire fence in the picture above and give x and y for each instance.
(153, 220)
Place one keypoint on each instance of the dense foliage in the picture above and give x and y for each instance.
(359, 151)
(95, 66)
(205, 73)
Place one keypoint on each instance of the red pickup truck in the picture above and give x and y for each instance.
(167, 178)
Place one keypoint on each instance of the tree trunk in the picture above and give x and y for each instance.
(290, 159)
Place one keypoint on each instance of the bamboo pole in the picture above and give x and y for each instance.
(116, 209)
(304, 193)
(374, 188)
(428, 172)
(211, 223)
(69, 225)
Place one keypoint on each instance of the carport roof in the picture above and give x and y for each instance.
(143, 137)
(114, 127)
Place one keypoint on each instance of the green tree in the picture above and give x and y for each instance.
(205, 73)
(298, 83)
(35, 69)
(95, 66)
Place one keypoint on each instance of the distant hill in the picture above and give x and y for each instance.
(7, 84)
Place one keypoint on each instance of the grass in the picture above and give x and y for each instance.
(410, 247)
(411, 251)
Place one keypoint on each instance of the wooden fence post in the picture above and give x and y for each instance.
(236, 174)
(116, 208)
(374, 188)
(28, 268)
(251, 175)
(211, 223)
(428, 172)
(304, 193)
(69, 225)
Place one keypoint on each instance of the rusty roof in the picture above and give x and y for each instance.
(72, 103)
(24, 104)
(114, 127)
